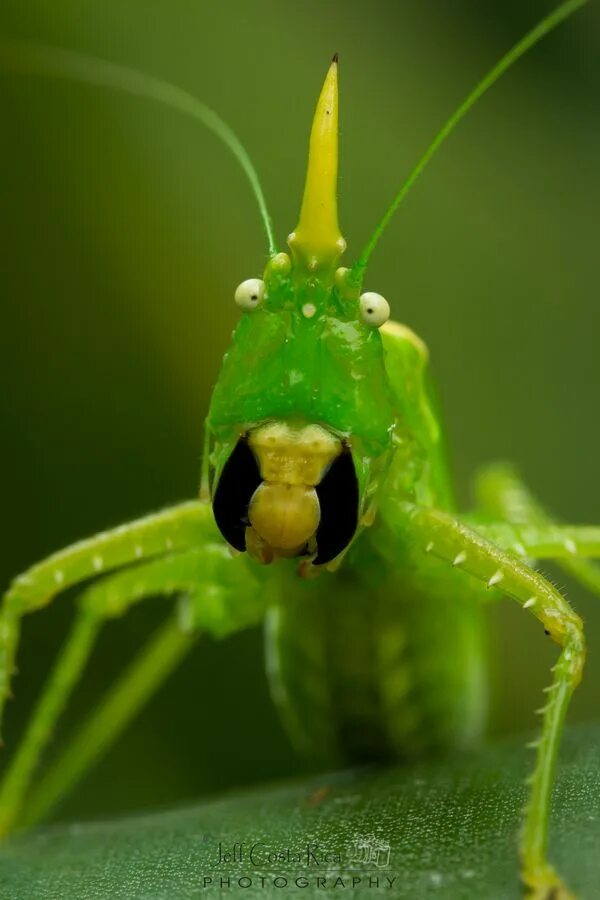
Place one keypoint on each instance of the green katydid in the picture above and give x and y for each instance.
(324, 472)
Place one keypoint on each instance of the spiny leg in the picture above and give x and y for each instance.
(439, 534)
(502, 495)
(115, 591)
(208, 573)
(559, 542)
(223, 599)
(174, 529)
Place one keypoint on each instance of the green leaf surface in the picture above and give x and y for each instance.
(450, 825)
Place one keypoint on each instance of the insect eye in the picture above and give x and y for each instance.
(374, 309)
(249, 293)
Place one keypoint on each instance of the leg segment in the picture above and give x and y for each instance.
(560, 542)
(179, 528)
(124, 700)
(441, 535)
(502, 496)
(214, 582)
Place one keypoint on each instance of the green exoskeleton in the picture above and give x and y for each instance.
(326, 510)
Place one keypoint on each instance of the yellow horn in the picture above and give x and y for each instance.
(317, 239)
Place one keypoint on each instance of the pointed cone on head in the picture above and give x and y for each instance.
(317, 239)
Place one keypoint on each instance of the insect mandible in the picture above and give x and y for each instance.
(324, 472)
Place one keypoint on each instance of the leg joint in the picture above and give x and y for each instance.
(572, 659)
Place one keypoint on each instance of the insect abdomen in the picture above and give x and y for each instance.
(381, 671)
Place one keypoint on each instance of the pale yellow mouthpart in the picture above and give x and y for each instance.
(284, 512)
(285, 515)
(293, 455)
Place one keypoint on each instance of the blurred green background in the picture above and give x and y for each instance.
(125, 229)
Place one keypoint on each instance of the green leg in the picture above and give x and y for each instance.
(441, 535)
(217, 587)
(72, 658)
(159, 535)
(124, 700)
(502, 495)
(562, 543)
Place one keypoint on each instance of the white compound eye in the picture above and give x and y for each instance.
(249, 293)
(374, 309)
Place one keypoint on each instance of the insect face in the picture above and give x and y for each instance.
(303, 402)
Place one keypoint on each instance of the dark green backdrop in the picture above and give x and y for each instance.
(125, 230)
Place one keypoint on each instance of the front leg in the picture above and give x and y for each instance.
(438, 533)
(174, 529)
(563, 543)
(219, 596)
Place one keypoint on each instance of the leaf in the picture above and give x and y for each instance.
(450, 826)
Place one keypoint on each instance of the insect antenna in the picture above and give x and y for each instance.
(41, 59)
(547, 24)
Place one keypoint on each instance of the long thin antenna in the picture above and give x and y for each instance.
(30, 58)
(561, 13)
